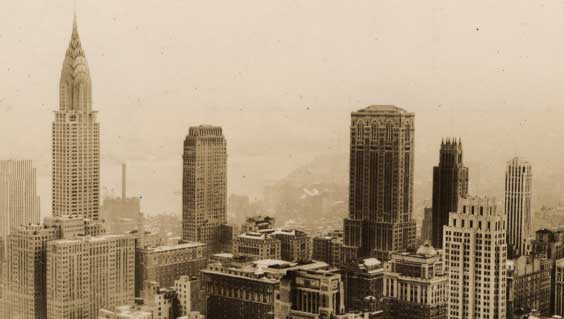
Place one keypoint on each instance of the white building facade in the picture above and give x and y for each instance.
(475, 258)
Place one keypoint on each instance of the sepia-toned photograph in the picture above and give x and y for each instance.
(295, 159)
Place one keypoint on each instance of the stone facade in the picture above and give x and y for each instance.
(381, 182)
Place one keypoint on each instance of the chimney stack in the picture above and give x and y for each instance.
(123, 171)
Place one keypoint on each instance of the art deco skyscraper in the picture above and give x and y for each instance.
(450, 183)
(19, 203)
(204, 185)
(76, 139)
(475, 257)
(518, 189)
(381, 182)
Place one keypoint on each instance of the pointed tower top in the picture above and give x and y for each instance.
(74, 18)
(75, 47)
(75, 71)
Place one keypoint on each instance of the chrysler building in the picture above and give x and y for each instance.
(76, 139)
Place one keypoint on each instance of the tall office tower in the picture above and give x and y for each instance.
(19, 203)
(475, 256)
(76, 139)
(381, 182)
(25, 278)
(450, 183)
(415, 285)
(518, 188)
(559, 288)
(85, 274)
(26, 284)
(204, 185)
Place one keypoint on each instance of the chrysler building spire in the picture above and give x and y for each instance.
(75, 85)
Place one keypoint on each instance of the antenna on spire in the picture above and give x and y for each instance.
(74, 15)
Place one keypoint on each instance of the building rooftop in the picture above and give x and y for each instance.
(91, 238)
(427, 250)
(372, 262)
(175, 247)
(253, 235)
(392, 109)
(266, 270)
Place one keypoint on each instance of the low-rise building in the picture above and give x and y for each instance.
(161, 302)
(307, 294)
(257, 224)
(295, 245)
(415, 285)
(125, 312)
(165, 264)
(549, 243)
(189, 294)
(257, 245)
(246, 289)
(328, 249)
(157, 302)
(363, 282)
(531, 283)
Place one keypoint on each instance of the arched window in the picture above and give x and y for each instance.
(389, 131)
(374, 131)
(360, 131)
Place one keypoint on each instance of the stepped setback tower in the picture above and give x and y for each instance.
(76, 139)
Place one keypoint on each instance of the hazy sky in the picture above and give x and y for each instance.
(282, 77)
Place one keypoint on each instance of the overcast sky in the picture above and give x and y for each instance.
(282, 77)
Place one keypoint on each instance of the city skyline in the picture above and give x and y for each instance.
(318, 245)
(302, 104)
